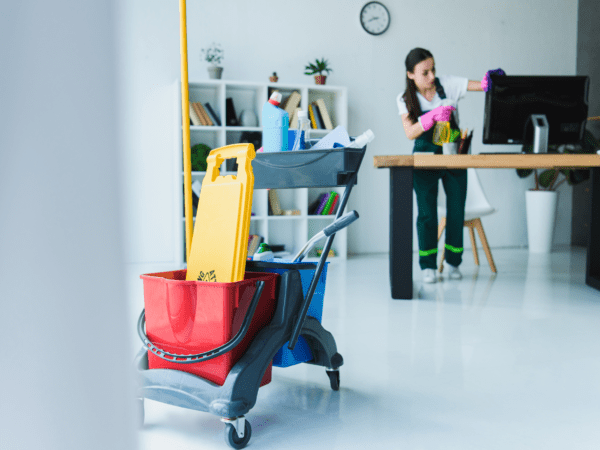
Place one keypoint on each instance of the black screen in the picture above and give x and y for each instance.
(513, 99)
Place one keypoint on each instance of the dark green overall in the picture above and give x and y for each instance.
(425, 183)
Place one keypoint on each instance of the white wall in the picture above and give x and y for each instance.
(66, 372)
(259, 37)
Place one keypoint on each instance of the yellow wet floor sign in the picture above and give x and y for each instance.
(220, 240)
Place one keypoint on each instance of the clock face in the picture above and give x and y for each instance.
(375, 18)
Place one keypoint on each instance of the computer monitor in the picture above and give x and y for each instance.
(538, 110)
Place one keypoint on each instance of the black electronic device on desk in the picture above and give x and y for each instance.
(538, 110)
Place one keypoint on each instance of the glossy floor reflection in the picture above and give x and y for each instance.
(507, 361)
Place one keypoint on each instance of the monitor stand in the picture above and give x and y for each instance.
(540, 133)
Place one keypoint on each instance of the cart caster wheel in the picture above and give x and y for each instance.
(232, 438)
(140, 411)
(334, 379)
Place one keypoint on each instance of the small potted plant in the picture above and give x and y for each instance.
(320, 69)
(213, 55)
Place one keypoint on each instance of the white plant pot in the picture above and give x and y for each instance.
(541, 217)
(215, 72)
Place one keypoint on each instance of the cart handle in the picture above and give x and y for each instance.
(205, 356)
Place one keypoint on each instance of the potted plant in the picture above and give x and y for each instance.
(541, 200)
(320, 69)
(213, 55)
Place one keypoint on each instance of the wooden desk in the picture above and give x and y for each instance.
(401, 202)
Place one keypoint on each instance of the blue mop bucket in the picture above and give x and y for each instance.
(301, 353)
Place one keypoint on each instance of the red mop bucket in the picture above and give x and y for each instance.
(192, 317)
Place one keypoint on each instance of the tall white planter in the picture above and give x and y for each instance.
(541, 216)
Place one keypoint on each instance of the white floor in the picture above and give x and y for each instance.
(489, 362)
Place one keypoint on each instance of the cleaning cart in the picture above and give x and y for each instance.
(273, 310)
(209, 345)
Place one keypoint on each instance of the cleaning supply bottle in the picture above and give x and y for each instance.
(362, 140)
(275, 123)
(303, 135)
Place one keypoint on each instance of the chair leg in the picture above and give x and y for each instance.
(484, 243)
(441, 227)
(474, 244)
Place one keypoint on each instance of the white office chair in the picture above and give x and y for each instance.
(476, 206)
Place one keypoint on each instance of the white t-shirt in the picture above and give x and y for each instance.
(454, 87)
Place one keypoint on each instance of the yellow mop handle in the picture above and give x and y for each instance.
(185, 119)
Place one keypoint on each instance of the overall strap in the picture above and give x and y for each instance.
(439, 88)
(440, 91)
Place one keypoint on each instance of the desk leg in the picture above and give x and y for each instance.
(592, 276)
(401, 232)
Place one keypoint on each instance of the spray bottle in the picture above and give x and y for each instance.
(303, 135)
(275, 123)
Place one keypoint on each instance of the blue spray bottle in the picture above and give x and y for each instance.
(275, 123)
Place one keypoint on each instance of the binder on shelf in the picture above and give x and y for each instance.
(274, 202)
(334, 204)
(311, 115)
(199, 114)
(318, 118)
(292, 103)
(230, 114)
(194, 117)
(324, 198)
(202, 111)
(328, 203)
(324, 114)
(294, 120)
(254, 241)
(212, 114)
(312, 209)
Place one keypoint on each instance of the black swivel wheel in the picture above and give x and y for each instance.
(232, 438)
(334, 379)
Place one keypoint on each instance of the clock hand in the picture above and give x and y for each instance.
(372, 19)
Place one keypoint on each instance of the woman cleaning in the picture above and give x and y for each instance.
(428, 100)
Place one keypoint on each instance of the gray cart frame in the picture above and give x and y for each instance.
(237, 396)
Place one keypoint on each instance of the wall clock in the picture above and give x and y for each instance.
(375, 18)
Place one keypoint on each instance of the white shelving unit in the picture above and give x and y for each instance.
(290, 231)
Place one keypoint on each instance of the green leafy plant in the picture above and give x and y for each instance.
(318, 68)
(551, 179)
(213, 54)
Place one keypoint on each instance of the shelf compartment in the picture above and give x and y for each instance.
(244, 98)
(287, 233)
(211, 94)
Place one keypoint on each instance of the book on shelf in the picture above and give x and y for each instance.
(329, 203)
(202, 111)
(322, 204)
(254, 241)
(231, 117)
(324, 114)
(274, 202)
(212, 114)
(334, 204)
(199, 114)
(311, 116)
(294, 119)
(291, 103)
(194, 117)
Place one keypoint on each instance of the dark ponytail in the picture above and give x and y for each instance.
(414, 57)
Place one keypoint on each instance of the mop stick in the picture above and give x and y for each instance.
(185, 119)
